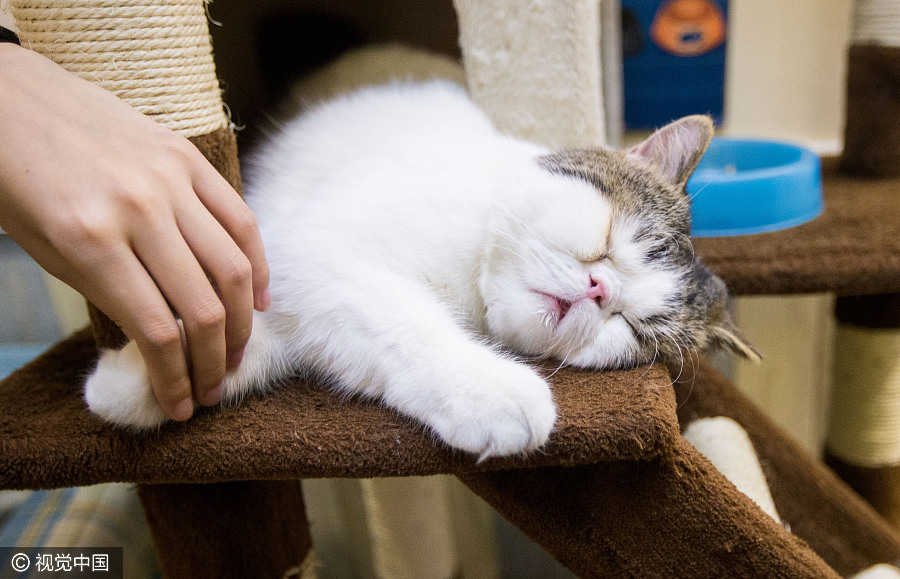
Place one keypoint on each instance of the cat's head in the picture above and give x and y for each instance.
(597, 269)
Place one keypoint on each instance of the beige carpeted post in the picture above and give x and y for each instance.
(534, 67)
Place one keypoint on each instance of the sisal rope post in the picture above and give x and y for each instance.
(154, 55)
(864, 427)
(876, 22)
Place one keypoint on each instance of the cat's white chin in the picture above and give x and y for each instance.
(118, 391)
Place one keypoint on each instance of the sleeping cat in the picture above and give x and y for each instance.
(417, 255)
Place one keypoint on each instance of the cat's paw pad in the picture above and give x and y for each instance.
(118, 390)
(504, 412)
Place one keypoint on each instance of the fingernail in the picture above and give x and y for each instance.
(211, 398)
(183, 410)
(264, 301)
(234, 360)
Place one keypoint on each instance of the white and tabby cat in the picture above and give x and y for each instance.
(415, 252)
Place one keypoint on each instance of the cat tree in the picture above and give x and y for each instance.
(618, 492)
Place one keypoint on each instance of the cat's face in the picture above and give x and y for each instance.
(599, 270)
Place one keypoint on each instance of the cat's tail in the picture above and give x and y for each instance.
(118, 390)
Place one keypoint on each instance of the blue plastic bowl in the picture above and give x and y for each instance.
(745, 186)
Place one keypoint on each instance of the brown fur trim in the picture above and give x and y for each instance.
(49, 439)
(675, 516)
(880, 486)
(876, 311)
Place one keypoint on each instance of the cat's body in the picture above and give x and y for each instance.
(412, 248)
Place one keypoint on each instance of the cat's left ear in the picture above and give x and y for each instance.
(675, 149)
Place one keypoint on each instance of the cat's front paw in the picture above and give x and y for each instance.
(506, 409)
(118, 390)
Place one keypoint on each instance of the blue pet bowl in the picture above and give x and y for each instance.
(745, 186)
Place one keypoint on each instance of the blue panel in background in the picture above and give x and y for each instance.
(14, 356)
(673, 60)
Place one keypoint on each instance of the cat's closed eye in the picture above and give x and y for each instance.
(597, 258)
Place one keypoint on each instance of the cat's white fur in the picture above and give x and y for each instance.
(412, 247)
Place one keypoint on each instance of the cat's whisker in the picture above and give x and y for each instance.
(562, 364)
(515, 247)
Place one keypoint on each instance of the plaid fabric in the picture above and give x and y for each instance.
(107, 515)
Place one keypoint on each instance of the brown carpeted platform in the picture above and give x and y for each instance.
(853, 248)
(816, 505)
(49, 439)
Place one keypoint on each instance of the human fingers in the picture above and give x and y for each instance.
(232, 213)
(180, 278)
(230, 270)
(123, 289)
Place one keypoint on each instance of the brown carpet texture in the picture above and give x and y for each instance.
(675, 516)
(49, 439)
(819, 507)
(202, 530)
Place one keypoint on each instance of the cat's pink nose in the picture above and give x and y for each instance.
(598, 292)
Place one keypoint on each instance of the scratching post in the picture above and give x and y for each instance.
(156, 55)
(863, 442)
(534, 67)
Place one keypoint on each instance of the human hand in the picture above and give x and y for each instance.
(134, 218)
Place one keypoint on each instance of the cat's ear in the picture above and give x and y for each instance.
(726, 335)
(675, 149)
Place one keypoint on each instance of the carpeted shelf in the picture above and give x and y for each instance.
(49, 439)
(851, 249)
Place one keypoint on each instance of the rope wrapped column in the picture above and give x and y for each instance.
(863, 443)
(156, 55)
